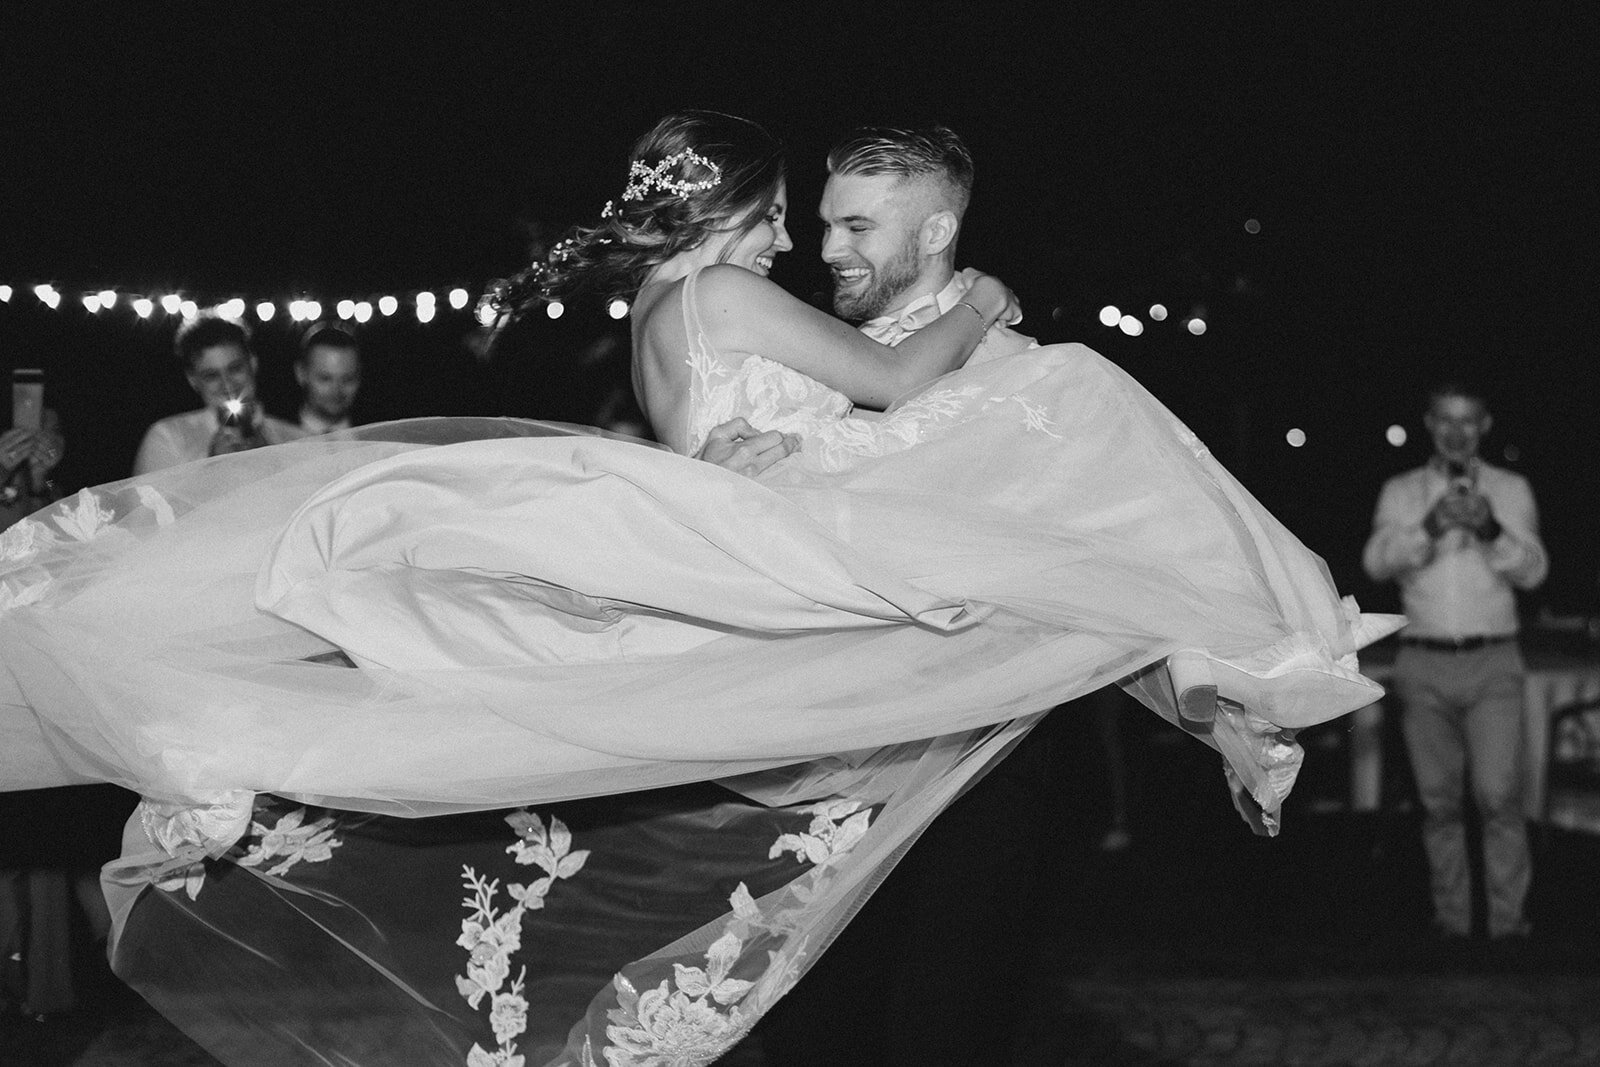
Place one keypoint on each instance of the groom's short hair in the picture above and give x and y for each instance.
(934, 152)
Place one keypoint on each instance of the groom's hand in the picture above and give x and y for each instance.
(739, 447)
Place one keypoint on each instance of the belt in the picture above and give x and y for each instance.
(1458, 644)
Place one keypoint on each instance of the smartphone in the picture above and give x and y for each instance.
(27, 398)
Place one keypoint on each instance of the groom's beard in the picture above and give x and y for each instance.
(884, 286)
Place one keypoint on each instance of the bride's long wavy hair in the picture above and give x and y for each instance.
(613, 256)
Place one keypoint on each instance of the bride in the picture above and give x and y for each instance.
(718, 707)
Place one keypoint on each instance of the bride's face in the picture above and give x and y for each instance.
(755, 250)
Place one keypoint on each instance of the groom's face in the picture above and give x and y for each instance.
(870, 241)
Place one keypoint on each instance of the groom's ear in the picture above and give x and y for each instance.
(938, 231)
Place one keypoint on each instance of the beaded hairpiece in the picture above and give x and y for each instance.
(642, 179)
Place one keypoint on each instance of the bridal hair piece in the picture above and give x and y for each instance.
(694, 176)
(641, 179)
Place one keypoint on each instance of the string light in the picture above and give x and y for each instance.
(428, 304)
(1130, 326)
(1196, 326)
(1395, 435)
(1158, 313)
(1110, 315)
(1296, 437)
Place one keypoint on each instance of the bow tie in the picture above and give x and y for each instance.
(910, 319)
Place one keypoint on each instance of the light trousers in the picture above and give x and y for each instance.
(1462, 722)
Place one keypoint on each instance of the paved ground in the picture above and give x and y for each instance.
(1198, 945)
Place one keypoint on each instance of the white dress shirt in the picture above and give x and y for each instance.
(182, 438)
(1457, 586)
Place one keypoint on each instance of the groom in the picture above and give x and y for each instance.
(897, 987)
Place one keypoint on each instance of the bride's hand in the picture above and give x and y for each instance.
(739, 447)
(994, 297)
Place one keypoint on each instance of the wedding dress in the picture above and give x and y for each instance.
(668, 724)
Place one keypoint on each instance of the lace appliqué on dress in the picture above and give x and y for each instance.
(491, 937)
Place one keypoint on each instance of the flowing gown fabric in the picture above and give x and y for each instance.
(718, 709)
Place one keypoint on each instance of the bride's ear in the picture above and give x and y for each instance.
(938, 231)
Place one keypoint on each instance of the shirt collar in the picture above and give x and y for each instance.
(917, 314)
(311, 422)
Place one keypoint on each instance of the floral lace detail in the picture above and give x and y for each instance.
(1034, 416)
(296, 843)
(837, 826)
(192, 833)
(85, 520)
(22, 540)
(700, 1013)
(491, 937)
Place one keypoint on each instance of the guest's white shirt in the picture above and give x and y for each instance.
(1458, 586)
(182, 438)
(315, 424)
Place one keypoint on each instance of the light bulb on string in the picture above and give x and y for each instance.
(92, 302)
(313, 310)
(1110, 315)
(617, 309)
(188, 309)
(5, 294)
(458, 298)
(1158, 313)
(143, 306)
(363, 311)
(265, 310)
(108, 298)
(388, 305)
(425, 312)
(346, 310)
(172, 303)
(555, 309)
(1130, 326)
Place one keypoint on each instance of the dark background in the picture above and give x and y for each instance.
(1418, 178)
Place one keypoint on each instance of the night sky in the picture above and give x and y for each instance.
(1423, 210)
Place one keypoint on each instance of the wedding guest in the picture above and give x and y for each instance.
(328, 369)
(1461, 536)
(221, 367)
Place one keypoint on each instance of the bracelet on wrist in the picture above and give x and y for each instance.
(983, 320)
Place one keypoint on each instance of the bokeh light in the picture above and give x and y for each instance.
(1296, 437)
(388, 305)
(1196, 326)
(346, 309)
(1130, 326)
(108, 298)
(1158, 313)
(363, 311)
(265, 310)
(555, 309)
(458, 298)
(143, 307)
(1395, 435)
(172, 303)
(1110, 315)
(617, 308)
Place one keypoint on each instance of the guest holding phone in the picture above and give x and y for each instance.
(221, 367)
